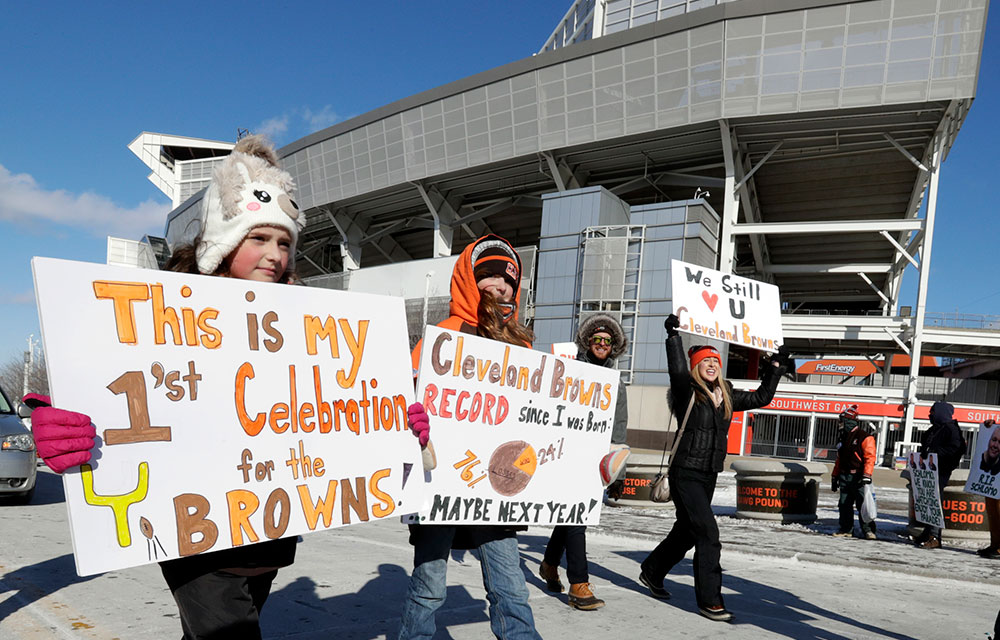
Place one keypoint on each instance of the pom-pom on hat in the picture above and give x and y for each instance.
(247, 190)
(699, 352)
(494, 257)
(850, 413)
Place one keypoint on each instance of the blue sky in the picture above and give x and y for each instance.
(81, 80)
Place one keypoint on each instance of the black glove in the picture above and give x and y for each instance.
(866, 480)
(989, 422)
(834, 484)
(781, 358)
(616, 488)
(671, 324)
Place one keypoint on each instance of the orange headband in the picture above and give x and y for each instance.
(700, 352)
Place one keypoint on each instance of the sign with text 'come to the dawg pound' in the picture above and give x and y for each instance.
(726, 307)
(519, 434)
(228, 412)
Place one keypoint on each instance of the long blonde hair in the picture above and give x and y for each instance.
(702, 388)
(492, 326)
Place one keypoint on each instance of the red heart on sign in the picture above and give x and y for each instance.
(710, 300)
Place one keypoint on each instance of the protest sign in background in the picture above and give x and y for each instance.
(228, 412)
(985, 464)
(924, 487)
(519, 434)
(726, 307)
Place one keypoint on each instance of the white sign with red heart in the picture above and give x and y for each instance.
(726, 307)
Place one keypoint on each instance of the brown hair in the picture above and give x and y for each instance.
(492, 326)
(184, 259)
(701, 388)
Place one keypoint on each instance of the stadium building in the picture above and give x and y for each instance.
(799, 143)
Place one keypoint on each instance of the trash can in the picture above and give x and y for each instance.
(777, 490)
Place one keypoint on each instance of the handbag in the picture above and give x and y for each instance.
(659, 491)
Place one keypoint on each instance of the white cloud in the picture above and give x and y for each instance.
(25, 297)
(273, 128)
(297, 122)
(321, 119)
(22, 200)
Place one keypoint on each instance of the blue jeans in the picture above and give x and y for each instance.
(506, 591)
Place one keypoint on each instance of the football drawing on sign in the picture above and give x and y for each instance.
(119, 503)
(146, 528)
(512, 466)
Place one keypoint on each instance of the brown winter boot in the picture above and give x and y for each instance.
(581, 597)
(550, 575)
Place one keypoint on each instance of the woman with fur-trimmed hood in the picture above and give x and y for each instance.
(600, 341)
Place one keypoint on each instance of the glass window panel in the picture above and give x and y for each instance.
(640, 88)
(784, 83)
(610, 112)
(607, 59)
(871, 32)
(914, 8)
(784, 63)
(783, 42)
(712, 33)
(580, 83)
(671, 43)
(823, 59)
(524, 98)
(860, 76)
(824, 38)
(706, 92)
(525, 114)
(641, 69)
(870, 11)
(474, 111)
(912, 28)
(826, 16)
(500, 120)
(578, 67)
(608, 95)
(522, 82)
(671, 61)
(706, 73)
(745, 27)
(743, 47)
(672, 99)
(741, 87)
(608, 77)
(815, 80)
(908, 71)
(865, 54)
(910, 49)
(433, 123)
(673, 80)
(580, 118)
(742, 67)
(781, 22)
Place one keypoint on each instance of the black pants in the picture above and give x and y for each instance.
(852, 496)
(695, 526)
(217, 605)
(572, 540)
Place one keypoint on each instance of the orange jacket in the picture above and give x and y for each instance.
(857, 452)
(464, 305)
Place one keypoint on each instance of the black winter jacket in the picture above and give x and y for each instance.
(945, 439)
(703, 445)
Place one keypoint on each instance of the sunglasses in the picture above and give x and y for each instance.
(601, 340)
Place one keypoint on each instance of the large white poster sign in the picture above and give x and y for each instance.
(924, 486)
(228, 412)
(985, 463)
(726, 307)
(519, 434)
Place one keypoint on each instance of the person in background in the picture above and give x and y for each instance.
(697, 463)
(485, 291)
(990, 463)
(249, 228)
(600, 340)
(944, 437)
(852, 471)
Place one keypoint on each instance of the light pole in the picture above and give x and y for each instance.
(29, 364)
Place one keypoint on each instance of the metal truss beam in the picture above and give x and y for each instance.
(354, 232)
(827, 268)
(850, 226)
(731, 202)
(562, 174)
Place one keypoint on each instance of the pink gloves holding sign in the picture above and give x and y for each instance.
(63, 438)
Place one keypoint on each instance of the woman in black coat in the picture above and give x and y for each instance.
(697, 463)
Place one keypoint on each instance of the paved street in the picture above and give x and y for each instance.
(781, 581)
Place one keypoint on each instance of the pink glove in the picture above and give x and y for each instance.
(420, 424)
(63, 438)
